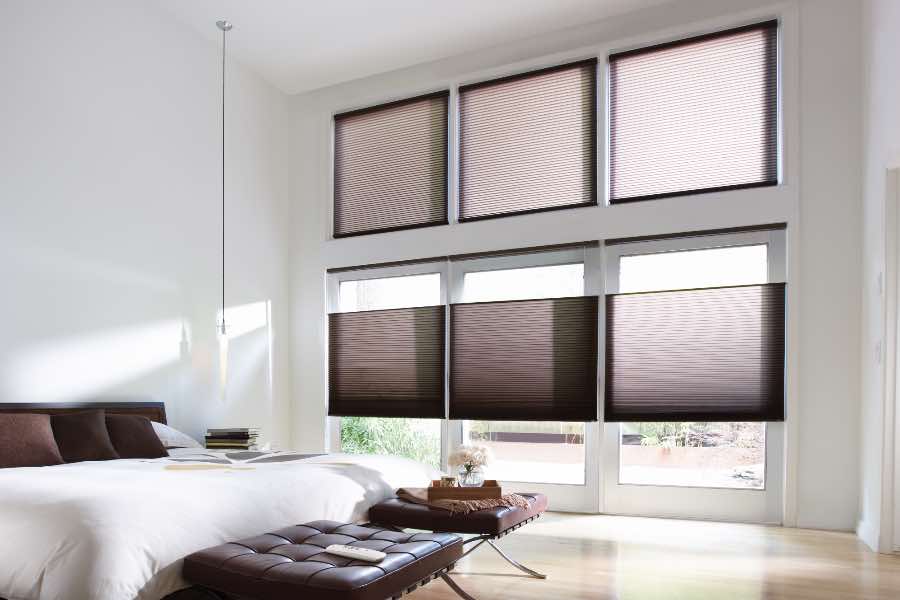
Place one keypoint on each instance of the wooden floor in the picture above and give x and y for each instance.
(630, 558)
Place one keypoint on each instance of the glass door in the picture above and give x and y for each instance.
(377, 289)
(705, 470)
(558, 459)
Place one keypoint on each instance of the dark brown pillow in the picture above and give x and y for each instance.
(82, 436)
(133, 437)
(26, 440)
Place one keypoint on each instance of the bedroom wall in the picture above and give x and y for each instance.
(109, 217)
(820, 201)
(881, 131)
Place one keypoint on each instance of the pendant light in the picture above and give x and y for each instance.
(221, 329)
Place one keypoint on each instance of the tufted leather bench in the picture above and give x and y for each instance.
(291, 564)
(487, 525)
(491, 521)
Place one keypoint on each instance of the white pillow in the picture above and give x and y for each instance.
(172, 438)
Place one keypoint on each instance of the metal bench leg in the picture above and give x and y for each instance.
(514, 563)
(453, 586)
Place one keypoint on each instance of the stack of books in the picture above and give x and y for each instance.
(232, 438)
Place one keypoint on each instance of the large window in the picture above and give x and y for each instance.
(695, 454)
(418, 439)
(528, 451)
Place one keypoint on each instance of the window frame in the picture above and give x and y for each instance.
(332, 305)
(775, 240)
(590, 256)
(675, 41)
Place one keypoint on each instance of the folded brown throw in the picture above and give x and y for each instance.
(461, 507)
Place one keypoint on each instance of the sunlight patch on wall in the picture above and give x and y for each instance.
(92, 363)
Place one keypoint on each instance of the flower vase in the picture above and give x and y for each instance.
(471, 477)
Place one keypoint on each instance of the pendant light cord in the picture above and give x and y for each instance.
(224, 31)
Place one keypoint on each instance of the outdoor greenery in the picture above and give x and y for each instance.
(695, 434)
(403, 437)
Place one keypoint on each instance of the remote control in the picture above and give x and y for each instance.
(355, 552)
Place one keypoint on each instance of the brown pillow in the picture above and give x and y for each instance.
(82, 436)
(133, 437)
(26, 440)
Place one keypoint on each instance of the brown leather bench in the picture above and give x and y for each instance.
(291, 564)
(487, 525)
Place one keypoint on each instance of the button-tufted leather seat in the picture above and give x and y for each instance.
(291, 563)
(492, 521)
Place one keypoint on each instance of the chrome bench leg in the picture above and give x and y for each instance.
(514, 563)
(453, 586)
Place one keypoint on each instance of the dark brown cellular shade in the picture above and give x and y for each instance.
(390, 166)
(695, 115)
(527, 143)
(714, 354)
(387, 363)
(524, 360)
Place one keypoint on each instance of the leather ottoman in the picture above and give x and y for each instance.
(291, 564)
(492, 521)
(486, 525)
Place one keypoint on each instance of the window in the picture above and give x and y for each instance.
(418, 439)
(694, 453)
(695, 115)
(528, 451)
(528, 142)
(390, 166)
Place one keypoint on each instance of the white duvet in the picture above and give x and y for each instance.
(117, 530)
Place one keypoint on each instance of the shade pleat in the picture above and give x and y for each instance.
(698, 115)
(524, 360)
(528, 143)
(390, 166)
(387, 363)
(713, 354)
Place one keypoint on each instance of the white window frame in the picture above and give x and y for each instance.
(333, 293)
(566, 497)
(728, 504)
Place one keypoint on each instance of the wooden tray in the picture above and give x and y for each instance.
(490, 489)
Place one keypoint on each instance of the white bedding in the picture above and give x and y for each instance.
(117, 530)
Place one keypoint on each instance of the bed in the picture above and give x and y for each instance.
(117, 530)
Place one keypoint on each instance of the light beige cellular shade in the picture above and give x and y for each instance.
(695, 115)
(390, 166)
(527, 142)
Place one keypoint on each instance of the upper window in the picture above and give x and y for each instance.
(528, 142)
(390, 166)
(695, 115)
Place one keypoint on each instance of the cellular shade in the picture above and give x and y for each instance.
(390, 166)
(713, 354)
(524, 360)
(528, 142)
(387, 363)
(695, 115)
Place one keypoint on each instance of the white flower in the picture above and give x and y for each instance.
(470, 457)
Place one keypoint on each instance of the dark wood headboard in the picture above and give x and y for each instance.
(155, 411)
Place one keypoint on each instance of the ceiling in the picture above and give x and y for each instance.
(300, 45)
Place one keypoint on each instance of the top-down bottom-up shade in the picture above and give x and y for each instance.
(524, 360)
(713, 354)
(387, 363)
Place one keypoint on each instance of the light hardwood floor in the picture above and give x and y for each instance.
(630, 558)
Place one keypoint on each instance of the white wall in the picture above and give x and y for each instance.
(820, 201)
(881, 151)
(109, 216)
